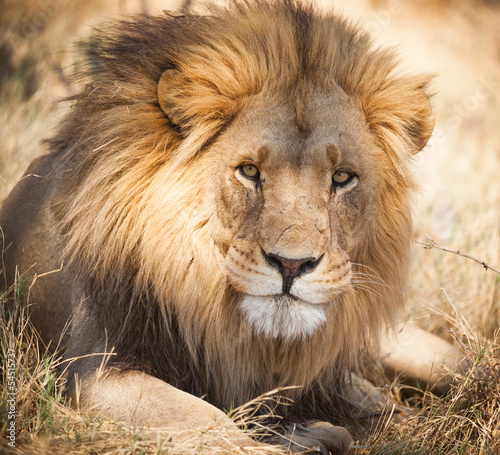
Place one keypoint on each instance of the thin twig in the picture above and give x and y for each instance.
(433, 244)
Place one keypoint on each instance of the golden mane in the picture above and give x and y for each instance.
(136, 210)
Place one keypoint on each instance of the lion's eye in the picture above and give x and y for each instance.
(341, 177)
(250, 171)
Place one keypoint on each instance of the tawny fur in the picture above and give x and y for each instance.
(136, 204)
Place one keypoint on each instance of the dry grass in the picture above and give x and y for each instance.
(459, 207)
(466, 421)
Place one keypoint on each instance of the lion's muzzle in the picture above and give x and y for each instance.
(283, 297)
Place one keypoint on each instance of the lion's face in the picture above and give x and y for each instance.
(294, 200)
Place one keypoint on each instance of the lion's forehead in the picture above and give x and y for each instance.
(273, 131)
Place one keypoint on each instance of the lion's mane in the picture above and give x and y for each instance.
(136, 210)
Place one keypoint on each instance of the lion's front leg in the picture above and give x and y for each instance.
(146, 402)
(423, 358)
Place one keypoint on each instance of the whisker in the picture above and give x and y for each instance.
(366, 266)
(370, 278)
(376, 278)
(374, 273)
(367, 289)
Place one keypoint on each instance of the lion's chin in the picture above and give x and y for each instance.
(282, 316)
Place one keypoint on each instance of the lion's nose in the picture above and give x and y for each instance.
(291, 268)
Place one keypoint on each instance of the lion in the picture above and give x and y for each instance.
(226, 210)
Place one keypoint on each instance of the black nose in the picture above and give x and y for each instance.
(291, 268)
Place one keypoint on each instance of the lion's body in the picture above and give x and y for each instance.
(170, 250)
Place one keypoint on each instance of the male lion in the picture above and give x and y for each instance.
(227, 210)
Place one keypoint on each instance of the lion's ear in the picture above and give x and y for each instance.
(195, 102)
(400, 112)
(420, 123)
(169, 90)
(422, 133)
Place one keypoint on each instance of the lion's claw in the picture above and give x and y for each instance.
(317, 437)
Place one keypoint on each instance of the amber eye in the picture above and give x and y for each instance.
(341, 177)
(250, 171)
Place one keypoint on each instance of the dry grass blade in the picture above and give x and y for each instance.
(433, 244)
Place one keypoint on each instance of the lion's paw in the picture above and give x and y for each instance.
(322, 436)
